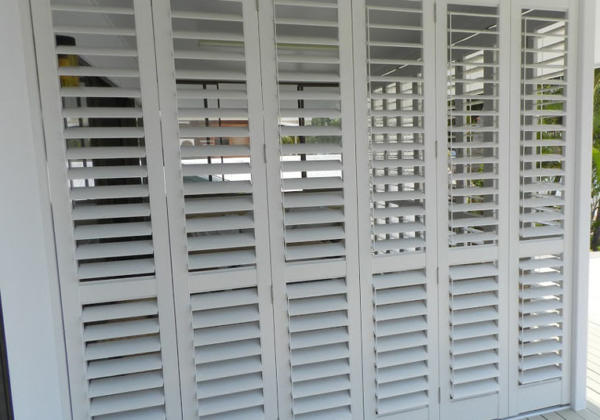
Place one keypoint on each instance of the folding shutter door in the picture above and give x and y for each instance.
(308, 99)
(104, 158)
(474, 252)
(543, 133)
(209, 79)
(395, 119)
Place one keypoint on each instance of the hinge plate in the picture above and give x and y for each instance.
(264, 153)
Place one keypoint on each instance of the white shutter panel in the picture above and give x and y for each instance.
(104, 156)
(473, 308)
(209, 76)
(545, 139)
(395, 120)
(308, 100)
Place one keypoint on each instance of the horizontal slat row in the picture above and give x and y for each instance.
(212, 110)
(319, 348)
(474, 332)
(228, 357)
(104, 137)
(542, 193)
(473, 131)
(396, 128)
(401, 341)
(123, 357)
(311, 161)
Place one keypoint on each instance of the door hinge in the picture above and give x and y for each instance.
(437, 275)
(434, 12)
(265, 152)
(256, 4)
(436, 147)
(272, 300)
(439, 395)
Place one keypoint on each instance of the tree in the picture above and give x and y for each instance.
(595, 210)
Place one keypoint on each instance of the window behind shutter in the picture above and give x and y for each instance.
(209, 76)
(100, 117)
(544, 205)
(308, 100)
(473, 268)
(395, 121)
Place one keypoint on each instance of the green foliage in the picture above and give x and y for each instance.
(315, 122)
(595, 210)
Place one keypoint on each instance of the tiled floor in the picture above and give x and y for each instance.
(592, 412)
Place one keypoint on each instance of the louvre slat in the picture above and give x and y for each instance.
(217, 300)
(119, 310)
(123, 366)
(540, 374)
(222, 352)
(105, 152)
(322, 402)
(240, 401)
(107, 349)
(475, 359)
(217, 223)
(542, 360)
(320, 371)
(308, 389)
(99, 92)
(112, 230)
(228, 369)
(125, 402)
(226, 334)
(225, 316)
(309, 355)
(116, 268)
(474, 374)
(113, 249)
(398, 405)
(120, 329)
(110, 211)
(123, 384)
(220, 241)
(228, 386)
(221, 259)
(473, 389)
(108, 172)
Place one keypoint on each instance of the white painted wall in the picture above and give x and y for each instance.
(28, 284)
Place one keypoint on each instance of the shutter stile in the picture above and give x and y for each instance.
(215, 166)
(310, 168)
(473, 110)
(396, 207)
(396, 133)
(101, 146)
(542, 195)
(212, 109)
(476, 253)
(401, 344)
(106, 162)
(310, 131)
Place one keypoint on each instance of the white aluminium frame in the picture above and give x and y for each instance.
(29, 282)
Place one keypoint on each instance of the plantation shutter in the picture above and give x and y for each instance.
(209, 80)
(544, 136)
(395, 119)
(473, 254)
(104, 156)
(307, 71)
